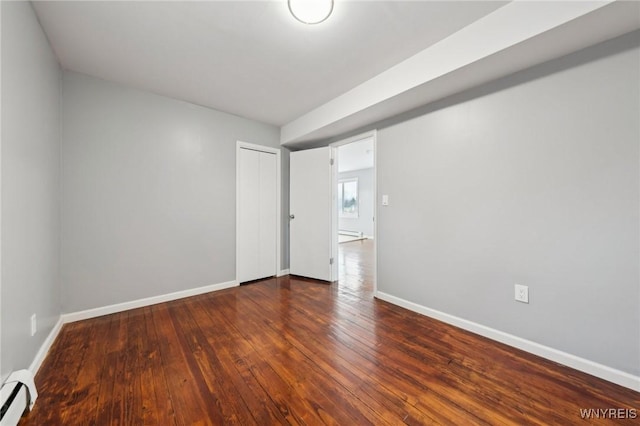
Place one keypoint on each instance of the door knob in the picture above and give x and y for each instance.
(292, 216)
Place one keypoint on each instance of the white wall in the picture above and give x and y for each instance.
(30, 186)
(148, 193)
(364, 222)
(533, 179)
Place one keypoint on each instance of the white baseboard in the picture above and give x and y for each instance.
(119, 307)
(46, 345)
(282, 273)
(105, 310)
(602, 371)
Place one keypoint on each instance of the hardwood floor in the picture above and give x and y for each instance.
(295, 351)
(355, 266)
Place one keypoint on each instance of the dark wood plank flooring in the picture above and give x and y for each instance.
(295, 351)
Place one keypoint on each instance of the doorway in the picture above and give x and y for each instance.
(354, 230)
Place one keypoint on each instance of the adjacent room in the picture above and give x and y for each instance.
(356, 213)
(320, 212)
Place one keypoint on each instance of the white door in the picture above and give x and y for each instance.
(310, 213)
(257, 215)
(268, 215)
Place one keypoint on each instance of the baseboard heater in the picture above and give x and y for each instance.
(18, 394)
(351, 233)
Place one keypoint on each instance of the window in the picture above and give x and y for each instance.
(348, 198)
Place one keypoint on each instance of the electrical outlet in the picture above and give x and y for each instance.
(522, 293)
(34, 327)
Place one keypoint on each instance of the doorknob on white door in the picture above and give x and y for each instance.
(292, 216)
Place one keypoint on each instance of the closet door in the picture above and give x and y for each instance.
(268, 214)
(249, 217)
(257, 230)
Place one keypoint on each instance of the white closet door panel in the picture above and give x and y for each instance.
(249, 238)
(268, 214)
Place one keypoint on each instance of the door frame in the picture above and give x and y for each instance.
(373, 134)
(260, 148)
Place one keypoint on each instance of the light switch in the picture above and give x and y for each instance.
(385, 200)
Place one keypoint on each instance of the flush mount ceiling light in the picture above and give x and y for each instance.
(310, 11)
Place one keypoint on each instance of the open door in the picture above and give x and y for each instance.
(311, 194)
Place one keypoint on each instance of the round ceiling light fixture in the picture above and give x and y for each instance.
(310, 11)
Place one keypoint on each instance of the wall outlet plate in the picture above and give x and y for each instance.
(34, 327)
(522, 293)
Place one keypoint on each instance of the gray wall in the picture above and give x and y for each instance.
(364, 221)
(30, 186)
(148, 193)
(533, 179)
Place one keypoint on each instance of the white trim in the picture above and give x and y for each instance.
(334, 214)
(374, 135)
(590, 367)
(119, 307)
(354, 170)
(282, 273)
(256, 147)
(46, 345)
(147, 301)
(357, 138)
(277, 152)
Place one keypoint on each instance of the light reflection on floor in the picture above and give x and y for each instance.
(356, 265)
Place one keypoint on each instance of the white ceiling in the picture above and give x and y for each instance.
(514, 37)
(355, 156)
(369, 61)
(247, 58)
